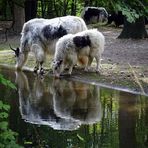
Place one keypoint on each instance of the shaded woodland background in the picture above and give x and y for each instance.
(20, 11)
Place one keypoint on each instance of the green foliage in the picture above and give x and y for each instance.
(6, 82)
(52, 8)
(131, 10)
(7, 136)
(80, 138)
(128, 12)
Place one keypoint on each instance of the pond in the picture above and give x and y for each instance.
(63, 113)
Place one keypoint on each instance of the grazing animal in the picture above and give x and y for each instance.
(146, 20)
(69, 48)
(94, 13)
(40, 36)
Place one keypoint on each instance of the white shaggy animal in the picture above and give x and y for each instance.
(40, 36)
(70, 47)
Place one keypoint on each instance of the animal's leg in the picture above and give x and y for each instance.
(40, 57)
(90, 59)
(70, 69)
(98, 61)
(41, 70)
(36, 68)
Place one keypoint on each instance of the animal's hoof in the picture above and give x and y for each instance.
(35, 70)
(42, 72)
(57, 76)
(98, 71)
(86, 69)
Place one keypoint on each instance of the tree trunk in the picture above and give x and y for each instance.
(87, 3)
(18, 18)
(73, 7)
(134, 30)
(30, 9)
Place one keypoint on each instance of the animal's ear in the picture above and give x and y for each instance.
(61, 31)
(60, 27)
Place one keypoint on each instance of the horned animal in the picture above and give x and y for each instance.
(40, 36)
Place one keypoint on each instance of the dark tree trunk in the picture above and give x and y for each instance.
(65, 5)
(134, 30)
(73, 7)
(30, 9)
(50, 12)
(55, 8)
(87, 3)
(18, 18)
(127, 121)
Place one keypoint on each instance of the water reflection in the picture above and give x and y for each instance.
(61, 104)
(66, 106)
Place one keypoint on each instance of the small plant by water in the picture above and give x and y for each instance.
(7, 136)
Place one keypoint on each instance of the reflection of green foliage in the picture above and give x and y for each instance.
(141, 123)
(7, 136)
(109, 123)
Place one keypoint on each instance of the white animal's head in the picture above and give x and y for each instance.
(20, 57)
(57, 67)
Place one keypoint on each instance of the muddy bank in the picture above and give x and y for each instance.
(124, 61)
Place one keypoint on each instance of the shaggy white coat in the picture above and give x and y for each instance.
(33, 40)
(67, 53)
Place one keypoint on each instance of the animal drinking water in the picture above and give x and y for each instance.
(40, 36)
(69, 48)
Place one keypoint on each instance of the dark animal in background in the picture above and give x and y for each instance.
(146, 20)
(117, 18)
(97, 14)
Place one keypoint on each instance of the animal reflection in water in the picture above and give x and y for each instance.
(60, 104)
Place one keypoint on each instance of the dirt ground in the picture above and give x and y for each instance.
(124, 61)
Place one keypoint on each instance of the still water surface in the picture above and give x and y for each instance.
(60, 113)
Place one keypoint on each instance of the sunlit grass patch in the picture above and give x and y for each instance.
(7, 57)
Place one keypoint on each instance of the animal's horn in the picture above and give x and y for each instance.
(12, 48)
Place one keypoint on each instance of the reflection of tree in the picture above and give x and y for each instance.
(142, 123)
(109, 124)
(127, 120)
(105, 133)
